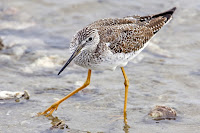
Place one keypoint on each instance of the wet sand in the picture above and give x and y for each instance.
(35, 40)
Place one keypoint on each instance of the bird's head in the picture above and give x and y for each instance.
(85, 39)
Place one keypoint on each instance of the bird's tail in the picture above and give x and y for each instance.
(157, 21)
(167, 14)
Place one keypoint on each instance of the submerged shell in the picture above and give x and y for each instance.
(162, 112)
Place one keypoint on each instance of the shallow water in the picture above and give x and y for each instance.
(36, 36)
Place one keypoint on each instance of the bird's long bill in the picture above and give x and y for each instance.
(76, 52)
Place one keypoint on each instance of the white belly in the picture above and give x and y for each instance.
(106, 61)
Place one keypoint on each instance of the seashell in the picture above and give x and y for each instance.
(162, 112)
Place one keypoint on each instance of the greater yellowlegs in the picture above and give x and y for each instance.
(110, 43)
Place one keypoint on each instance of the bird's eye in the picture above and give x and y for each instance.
(90, 39)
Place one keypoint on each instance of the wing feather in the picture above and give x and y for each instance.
(125, 38)
(129, 34)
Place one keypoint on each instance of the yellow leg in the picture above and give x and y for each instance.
(54, 106)
(126, 83)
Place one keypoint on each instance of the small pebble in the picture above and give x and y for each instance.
(26, 95)
(8, 113)
(1, 44)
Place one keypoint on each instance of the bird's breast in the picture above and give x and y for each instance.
(102, 61)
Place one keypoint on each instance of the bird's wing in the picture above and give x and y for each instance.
(156, 21)
(125, 38)
(130, 33)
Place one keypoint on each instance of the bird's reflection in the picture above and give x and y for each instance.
(126, 126)
(60, 124)
(57, 123)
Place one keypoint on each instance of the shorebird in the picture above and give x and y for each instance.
(109, 43)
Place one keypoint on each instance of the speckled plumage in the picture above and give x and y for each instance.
(113, 42)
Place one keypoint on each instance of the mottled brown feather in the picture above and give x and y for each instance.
(128, 34)
(124, 38)
(111, 22)
(156, 24)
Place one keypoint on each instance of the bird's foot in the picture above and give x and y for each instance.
(51, 109)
